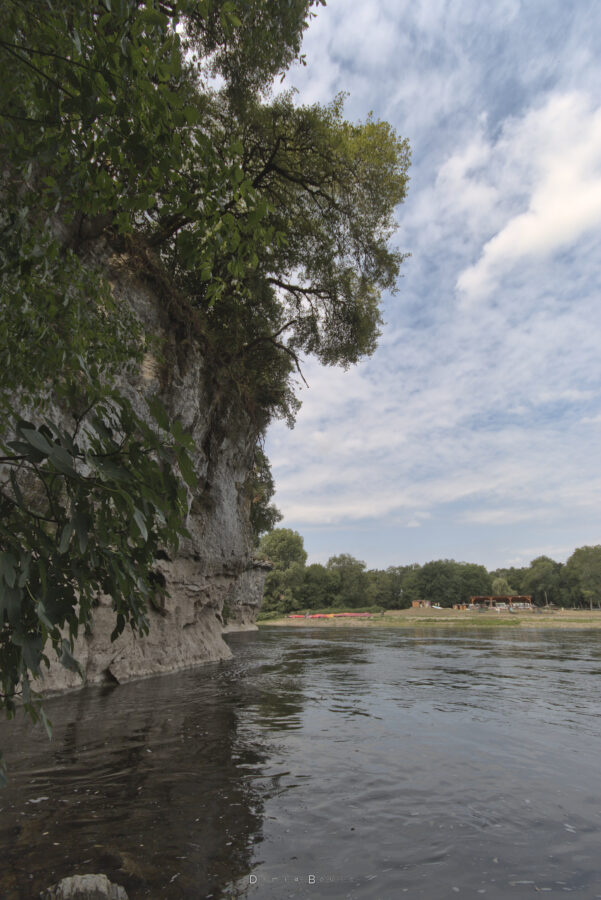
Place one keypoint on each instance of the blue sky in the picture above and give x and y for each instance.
(473, 431)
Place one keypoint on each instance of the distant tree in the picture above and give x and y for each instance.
(353, 579)
(569, 588)
(380, 588)
(282, 547)
(319, 587)
(445, 581)
(393, 588)
(474, 580)
(584, 565)
(513, 576)
(501, 587)
(543, 580)
(277, 596)
(409, 589)
(283, 590)
(440, 582)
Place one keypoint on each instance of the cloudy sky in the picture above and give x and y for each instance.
(473, 432)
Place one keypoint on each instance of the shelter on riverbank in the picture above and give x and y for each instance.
(506, 601)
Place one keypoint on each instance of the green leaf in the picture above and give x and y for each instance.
(185, 466)
(158, 413)
(46, 722)
(42, 616)
(66, 537)
(153, 17)
(8, 568)
(109, 470)
(191, 115)
(26, 450)
(37, 440)
(31, 649)
(184, 438)
(141, 523)
(118, 629)
(10, 602)
(80, 522)
(68, 660)
(62, 461)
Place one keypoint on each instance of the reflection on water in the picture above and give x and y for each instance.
(146, 782)
(339, 763)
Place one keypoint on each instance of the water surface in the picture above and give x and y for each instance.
(323, 763)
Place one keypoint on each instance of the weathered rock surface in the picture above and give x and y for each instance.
(244, 599)
(85, 887)
(215, 567)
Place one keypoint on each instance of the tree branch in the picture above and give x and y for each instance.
(297, 289)
(30, 65)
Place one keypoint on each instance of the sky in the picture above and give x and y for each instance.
(473, 431)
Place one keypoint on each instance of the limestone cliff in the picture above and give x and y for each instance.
(214, 584)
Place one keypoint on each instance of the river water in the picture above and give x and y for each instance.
(335, 763)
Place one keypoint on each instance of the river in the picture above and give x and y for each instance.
(335, 763)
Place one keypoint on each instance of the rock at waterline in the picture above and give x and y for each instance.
(84, 887)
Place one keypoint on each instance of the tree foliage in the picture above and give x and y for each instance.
(345, 584)
(501, 587)
(584, 567)
(260, 487)
(542, 580)
(143, 129)
(351, 579)
(283, 547)
(446, 582)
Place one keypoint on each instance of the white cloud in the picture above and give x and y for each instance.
(504, 516)
(558, 552)
(558, 149)
(473, 418)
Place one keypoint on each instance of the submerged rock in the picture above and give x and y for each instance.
(85, 887)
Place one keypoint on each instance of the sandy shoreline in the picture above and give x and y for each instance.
(414, 618)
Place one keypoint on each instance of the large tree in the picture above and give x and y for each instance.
(543, 580)
(282, 547)
(474, 580)
(584, 566)
(144, 128)
(319, 587)
(352, 580)
(439, 582)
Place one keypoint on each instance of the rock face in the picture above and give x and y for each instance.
(242, 603)
(215, 568)
(85, 887)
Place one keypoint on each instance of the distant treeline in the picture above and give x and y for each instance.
(346, 582)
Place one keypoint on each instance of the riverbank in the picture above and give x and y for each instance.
(448, 618)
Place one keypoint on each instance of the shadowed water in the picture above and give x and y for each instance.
(323, 763)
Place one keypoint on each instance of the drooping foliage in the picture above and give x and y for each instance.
(143, 130)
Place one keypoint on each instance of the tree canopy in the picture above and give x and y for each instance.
(344, 583)
(584, 566)
(282, 547)
(145, 128)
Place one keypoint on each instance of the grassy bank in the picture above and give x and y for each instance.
(452, 618)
